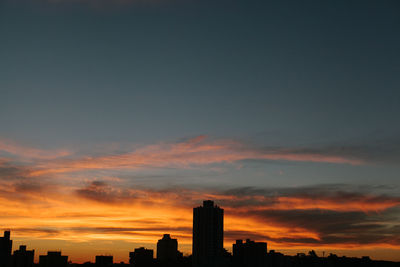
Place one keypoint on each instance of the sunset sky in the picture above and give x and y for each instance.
(117, 117)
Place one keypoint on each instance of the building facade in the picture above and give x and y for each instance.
(23, 257)
(208, 235)
(104, 261)
(167, 249)
(5, 249)
(249, 254)
(52, 259)
(141, 257)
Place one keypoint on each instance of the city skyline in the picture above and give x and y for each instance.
(207, 251)
(118, 117)
(208, 247)
(96, 214)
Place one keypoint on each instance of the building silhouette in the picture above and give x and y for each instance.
(5, 249)
(104, 261)
(167, 249)
(53, 259)
(207, 248)
(23, 257)
(249, 254)
(141, 257)
(208, 235)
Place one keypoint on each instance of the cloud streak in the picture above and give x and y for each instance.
(25, 152)
(104, 211)
(337, 216)
(72, 203)
(192, 153)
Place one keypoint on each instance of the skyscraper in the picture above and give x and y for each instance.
(167, 249)
(5, 249)
(208, 235)
(23, 257)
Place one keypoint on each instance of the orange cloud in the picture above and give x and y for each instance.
(40, 205)
(363, 203)
(187, 154)
(29, 152)
(100, 212)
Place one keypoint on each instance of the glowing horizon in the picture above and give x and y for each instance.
(72, 209)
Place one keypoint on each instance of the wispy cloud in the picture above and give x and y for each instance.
(322, 197)
(198, 151)
(103, 207)
(317, 216)
(26, 152)
(327, 215)
(102, 192)
(190, 153)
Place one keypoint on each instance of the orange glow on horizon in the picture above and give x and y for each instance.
(75, 220)
(54, 203)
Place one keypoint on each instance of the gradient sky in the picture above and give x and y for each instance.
(118, 117)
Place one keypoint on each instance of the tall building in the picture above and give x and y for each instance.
(208, 235)
(23, 257)
(141, 257)
(104, 261)
(53, 259)
(5, 249)
(167, 249)
(249, 254)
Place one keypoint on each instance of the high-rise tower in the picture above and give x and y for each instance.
(167, 249)
(208, 234)
(5, 249)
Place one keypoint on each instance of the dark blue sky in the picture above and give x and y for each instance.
(309, 74)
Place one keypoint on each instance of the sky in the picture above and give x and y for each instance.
(118, 117)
